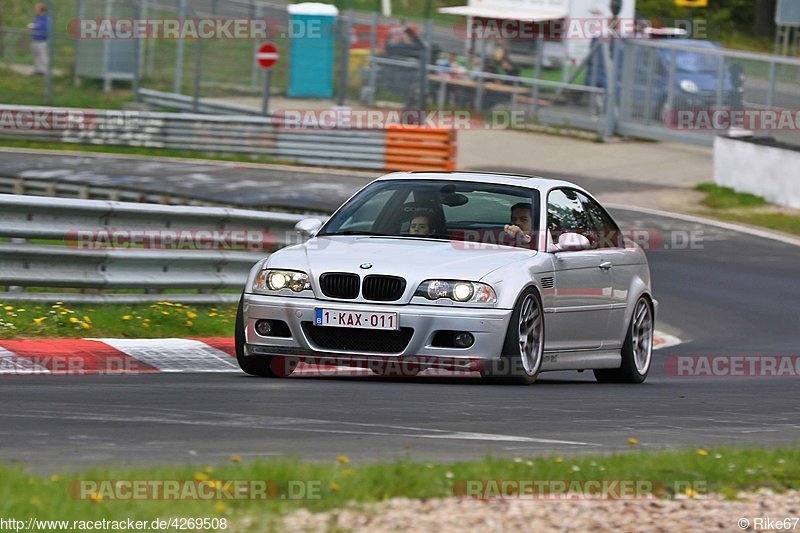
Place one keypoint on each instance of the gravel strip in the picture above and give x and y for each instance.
(712, 512)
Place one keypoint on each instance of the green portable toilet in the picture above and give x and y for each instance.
(313, 40)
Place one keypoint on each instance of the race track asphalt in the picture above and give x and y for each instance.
(732, 294)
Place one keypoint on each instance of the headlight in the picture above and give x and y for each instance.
(275, 280)
(458, 291)
(689, 86)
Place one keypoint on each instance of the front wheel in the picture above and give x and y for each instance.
(267, 366)
(637, 352)
(523, 350)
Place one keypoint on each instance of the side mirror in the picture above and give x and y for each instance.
(573, 242)
(308, 227)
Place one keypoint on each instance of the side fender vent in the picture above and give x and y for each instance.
(547, 283)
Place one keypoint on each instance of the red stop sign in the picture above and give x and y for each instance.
(267, 55)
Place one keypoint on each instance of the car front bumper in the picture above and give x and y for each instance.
(487, 325)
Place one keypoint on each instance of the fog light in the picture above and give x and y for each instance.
(463, 340)
(264, 328)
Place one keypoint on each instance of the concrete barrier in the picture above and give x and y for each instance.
(772, 172)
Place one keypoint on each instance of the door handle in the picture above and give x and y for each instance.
(605, 265)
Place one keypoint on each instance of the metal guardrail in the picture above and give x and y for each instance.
(266, 136)
(81, 259)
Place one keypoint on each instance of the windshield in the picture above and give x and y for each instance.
(696, 62)
(463, 211)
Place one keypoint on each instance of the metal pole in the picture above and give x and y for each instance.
(48, 98)
(137, 43)
(178, 82)
(198, 63)
(265, 96)
(75, 48)
(344, 42)
(425, 59)
(256, 44)
(771, 86)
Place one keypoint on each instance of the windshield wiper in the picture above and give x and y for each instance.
(355, 232)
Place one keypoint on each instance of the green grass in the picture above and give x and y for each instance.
(135, 150)
(719, 197)
(165, 319)
(339, 482)
(776, 221)
(727, 204)
(19, 89)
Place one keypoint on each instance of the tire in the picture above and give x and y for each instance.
(265, 366)
(523, 348)
(637, 351)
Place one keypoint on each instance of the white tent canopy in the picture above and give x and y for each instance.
(506, 12)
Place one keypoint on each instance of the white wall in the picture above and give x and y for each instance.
(772, 173)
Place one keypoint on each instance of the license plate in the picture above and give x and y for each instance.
(355, 319)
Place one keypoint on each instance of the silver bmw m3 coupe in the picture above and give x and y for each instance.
(501, 274)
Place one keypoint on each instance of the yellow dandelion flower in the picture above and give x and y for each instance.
(21, 310)
(702, 452)
(127, 317)
(335, 487)
(39, 320)
(236, 458)
(87, 319)
(8, 308)
(73, 320)
(84, 325)
(189, 323)
(212, 314)
(343, 459)
(55, 478)
(165, 313)
(199, 476)
(633, 441)
(95, 497)
(690, 493)
(59, 303)
(208, 469)
(220, 507)
(191, 315)
(559, 460)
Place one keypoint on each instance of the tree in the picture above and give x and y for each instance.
(765, 18)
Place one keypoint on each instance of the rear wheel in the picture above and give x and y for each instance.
(267, 366)
(523, 350)
(637, 351)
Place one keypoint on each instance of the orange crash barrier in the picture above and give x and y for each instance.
(411, 147)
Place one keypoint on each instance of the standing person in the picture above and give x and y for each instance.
(40, 33)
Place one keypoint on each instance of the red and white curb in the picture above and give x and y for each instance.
(134, 356)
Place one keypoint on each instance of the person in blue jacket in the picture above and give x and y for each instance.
(40, 33)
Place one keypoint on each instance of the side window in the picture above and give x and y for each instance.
(606, 232)
(565, 214)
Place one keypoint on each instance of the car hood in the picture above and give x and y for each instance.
(413, 259)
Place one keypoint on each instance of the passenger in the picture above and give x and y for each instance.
(420, 225)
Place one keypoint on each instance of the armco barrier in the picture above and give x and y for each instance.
(217, 256)
(395, 148)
